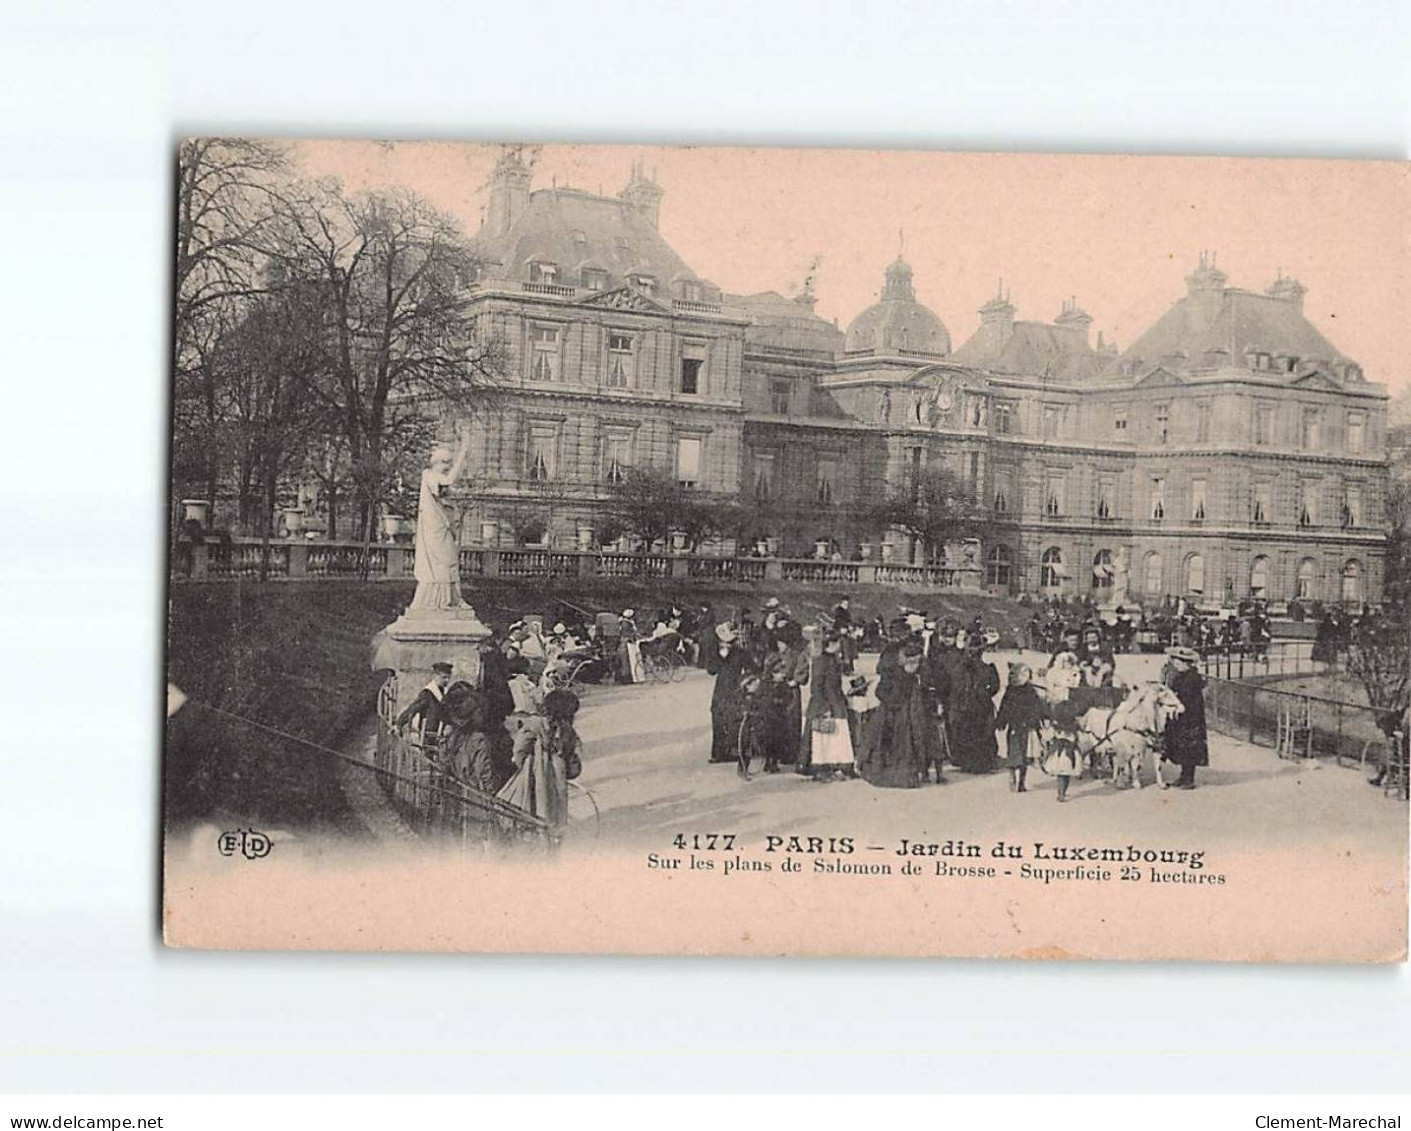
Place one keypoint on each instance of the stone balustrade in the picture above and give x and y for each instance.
(326, 561)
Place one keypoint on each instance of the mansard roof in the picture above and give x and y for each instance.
(1031, 349)
(786, 323)
(572, 229)
(1228, 325)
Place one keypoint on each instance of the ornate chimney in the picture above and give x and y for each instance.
(1205, 290)
(1074, 319)
(642, 195)
(1288, 289)
(509, 192)
(998, 313)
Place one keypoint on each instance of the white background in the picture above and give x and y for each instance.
(91, 96)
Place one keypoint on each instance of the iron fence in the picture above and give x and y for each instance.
(1299, 725)
(431, 800)
(1257, 661)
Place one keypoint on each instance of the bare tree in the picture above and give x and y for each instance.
(401, 343)
(1379, 654)
(225, 194)
(936, 506)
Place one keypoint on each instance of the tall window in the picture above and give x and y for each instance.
(1308, 503)
(1356, 432)
(693, 355)
(544, 353)
(617, 456)
(1001, 495)
(1119, 421)
(779, 398)
(1352, 582)
(1004, 418)
(688, 460)
(1102, 569)
(1162, 423)
(541, 457)
(1263, 423)
(1049, 421)
(972, 471)
(824, 487)
(1202, 421)
(764, 476)
(1198, 500)
(1261, 508)
(999, 568)
(1053, 495)
(1307, 580)
(1051, 568)
(1352, 506)
(619, 360)
(1195, 574)
(1151, 574)
(1158, 498)
(1259, 577)
(1312, 428)
(1106, 502)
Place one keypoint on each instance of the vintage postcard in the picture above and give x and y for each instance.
(788, 552)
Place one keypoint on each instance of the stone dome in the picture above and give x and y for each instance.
(897, 321)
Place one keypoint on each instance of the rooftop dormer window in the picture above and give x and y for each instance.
(543, 272)
(594, 279)
(647, 284)
(690, 290)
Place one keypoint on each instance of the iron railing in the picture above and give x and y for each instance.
(1299, 725)
(428, 796)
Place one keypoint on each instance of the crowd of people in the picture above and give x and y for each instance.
(931, 705)
(1175, 623)
(790, 698)
(498, 732)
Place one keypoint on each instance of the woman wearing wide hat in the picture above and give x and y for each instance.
(1186, 741)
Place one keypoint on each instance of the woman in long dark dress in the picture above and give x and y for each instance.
(901, 738)
(972, 712)
(1325, 643)
(826, 717)
(1186, 739)
(726, 661)
(788, 672)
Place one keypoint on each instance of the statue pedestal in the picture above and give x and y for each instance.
(422, 637)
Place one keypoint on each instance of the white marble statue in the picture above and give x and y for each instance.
(1121, 576)
(437, 543)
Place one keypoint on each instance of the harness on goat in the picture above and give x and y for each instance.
(1106, 737)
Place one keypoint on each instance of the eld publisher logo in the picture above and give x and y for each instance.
(250, 844)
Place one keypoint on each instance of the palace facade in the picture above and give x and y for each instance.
(1231, 450)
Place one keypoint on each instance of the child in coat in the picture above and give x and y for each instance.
(1020, 712)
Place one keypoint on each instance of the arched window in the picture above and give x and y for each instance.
(1151, 574)
(1051, 568)
(998, 567)
(1102, 570)
(1195, 574)
(1259, 577)
(1352, 582)
(1307, 580)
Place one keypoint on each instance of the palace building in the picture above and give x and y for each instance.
(1231, 450)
